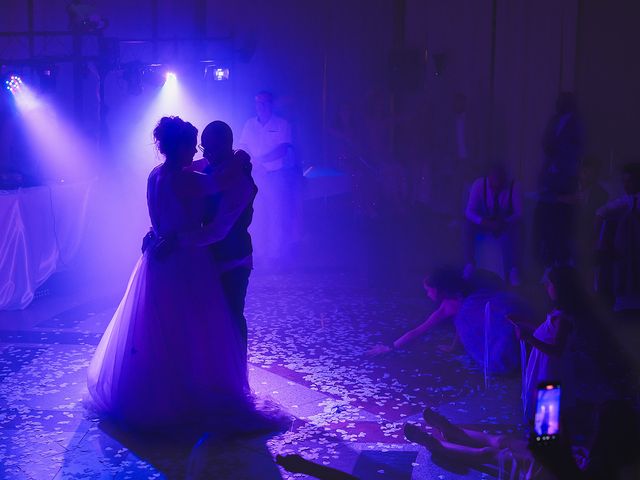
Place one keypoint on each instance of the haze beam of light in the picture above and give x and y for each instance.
(173, 99)
(61, 152)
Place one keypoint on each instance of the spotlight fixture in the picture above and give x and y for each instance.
(221, 74)
(152, 75)
(216, 73)
(171, 77)
(13, 83)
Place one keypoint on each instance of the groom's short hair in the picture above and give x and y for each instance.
(217, 132)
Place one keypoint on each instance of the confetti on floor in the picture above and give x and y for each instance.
(308, 338)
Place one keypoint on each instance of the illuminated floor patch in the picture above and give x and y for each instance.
(308, 336)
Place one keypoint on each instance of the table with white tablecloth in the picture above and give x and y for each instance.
(40, 231)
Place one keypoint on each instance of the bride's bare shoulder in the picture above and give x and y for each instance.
(155, 171)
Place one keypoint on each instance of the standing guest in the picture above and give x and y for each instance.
(621, 219)
(555, 213)
(591, 196)
(267, 138)
(495, 208)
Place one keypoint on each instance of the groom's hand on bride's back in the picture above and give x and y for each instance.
(149, 240)
(164, 247)
(159, 247)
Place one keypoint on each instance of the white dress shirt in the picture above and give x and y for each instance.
(258, 139)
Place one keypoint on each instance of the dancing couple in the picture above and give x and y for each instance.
(175, 352)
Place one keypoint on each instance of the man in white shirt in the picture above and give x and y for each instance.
(267, 139)
(495, 208)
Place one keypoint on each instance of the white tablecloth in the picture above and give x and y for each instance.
(40, 231)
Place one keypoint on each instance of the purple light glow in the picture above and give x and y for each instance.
(221, 74)
(174, 98)
(14, 84)
(61, 152)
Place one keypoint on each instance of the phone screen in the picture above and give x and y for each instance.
(547, 418)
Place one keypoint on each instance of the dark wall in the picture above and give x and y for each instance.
(608, 77)
(510, 57)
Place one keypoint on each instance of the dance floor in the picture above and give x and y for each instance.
(308, 338)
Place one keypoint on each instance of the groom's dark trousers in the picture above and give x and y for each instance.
(234, 284)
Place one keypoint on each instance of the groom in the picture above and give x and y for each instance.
(233, 212)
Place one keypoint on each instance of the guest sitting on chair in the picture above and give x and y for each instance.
(495, 208)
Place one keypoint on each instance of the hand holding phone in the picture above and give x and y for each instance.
(517, 319)
(522, 332)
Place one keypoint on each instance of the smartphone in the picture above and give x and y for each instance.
(546, 424)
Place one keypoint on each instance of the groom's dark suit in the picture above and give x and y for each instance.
(234, 252)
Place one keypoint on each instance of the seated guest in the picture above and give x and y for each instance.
(620, 239)
(495, 208)
(464, 301)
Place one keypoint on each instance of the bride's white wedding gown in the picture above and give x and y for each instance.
(171, 355)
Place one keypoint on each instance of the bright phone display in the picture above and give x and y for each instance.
(547, 419)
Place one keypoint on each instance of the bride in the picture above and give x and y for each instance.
(171, 356)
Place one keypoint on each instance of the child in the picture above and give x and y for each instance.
(549, 360)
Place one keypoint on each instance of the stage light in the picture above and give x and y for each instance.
(61, 151)
(14, 83)
(170, 88)
(215, 73)
(153, 75)
(221, 74)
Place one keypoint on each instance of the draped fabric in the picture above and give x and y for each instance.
(40, 231)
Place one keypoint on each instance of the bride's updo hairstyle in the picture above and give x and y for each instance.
(172, 133)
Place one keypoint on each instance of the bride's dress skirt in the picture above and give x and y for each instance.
(171, 355)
